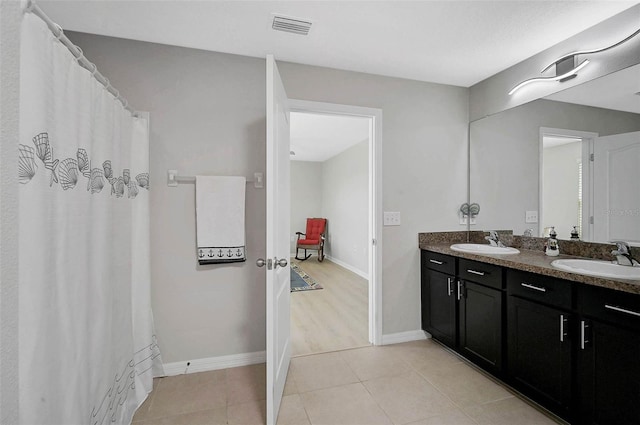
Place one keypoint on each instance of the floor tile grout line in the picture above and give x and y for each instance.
(413, 371)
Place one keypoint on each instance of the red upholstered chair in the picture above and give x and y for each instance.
(313, 238)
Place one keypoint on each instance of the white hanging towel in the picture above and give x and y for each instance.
(220, 219)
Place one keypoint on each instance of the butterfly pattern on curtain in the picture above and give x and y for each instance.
(67, 172)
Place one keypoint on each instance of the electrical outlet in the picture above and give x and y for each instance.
(391, 218)
(531, 217)
(464, 220)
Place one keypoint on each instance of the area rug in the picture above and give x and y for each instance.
(301, 281)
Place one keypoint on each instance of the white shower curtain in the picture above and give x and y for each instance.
(87, 349)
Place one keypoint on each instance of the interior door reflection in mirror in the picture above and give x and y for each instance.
(515, 168)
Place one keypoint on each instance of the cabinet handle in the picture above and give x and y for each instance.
(475, 272)
(583, 336)
(449, 289)
(621, 310)
(534, 287)
(459, 290)
(436, 262)
(563, 320)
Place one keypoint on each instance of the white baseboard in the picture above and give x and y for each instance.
(408, 336)
(349, 267)
(214, 363)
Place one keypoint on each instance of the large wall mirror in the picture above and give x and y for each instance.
(571, 159)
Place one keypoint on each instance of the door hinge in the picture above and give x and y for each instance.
(591, 156)
(591, 220)
(373, 241)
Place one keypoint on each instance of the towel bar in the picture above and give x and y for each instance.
(173, 179)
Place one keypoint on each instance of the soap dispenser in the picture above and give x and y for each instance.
(574, 234)
(551, 247)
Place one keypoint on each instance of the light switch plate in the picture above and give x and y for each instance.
(391, 218)
(531, 217)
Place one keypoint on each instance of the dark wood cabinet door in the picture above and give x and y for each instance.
(439, 306)
(481, 325)
(608, 375)
(539, 360)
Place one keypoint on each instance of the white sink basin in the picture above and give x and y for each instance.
(598, 268)
(477, 248)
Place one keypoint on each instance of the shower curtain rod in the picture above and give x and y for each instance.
(76, 51)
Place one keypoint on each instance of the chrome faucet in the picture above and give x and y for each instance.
(623, 256)
(494, 239)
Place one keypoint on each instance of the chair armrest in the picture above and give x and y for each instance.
(300, 234)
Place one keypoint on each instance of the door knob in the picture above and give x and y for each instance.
(281, 262)
(260, 262)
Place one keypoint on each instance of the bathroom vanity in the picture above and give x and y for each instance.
(568, 341)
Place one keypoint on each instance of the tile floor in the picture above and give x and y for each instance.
(417, 383)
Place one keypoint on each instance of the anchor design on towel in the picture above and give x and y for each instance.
(200, 253)
(239, 253)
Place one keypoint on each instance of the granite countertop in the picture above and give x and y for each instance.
(534, 261)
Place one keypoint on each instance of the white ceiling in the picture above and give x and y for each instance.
(449, 42)
(556, 141)
(316, 137)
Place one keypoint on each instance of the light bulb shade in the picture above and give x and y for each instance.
(571, 73)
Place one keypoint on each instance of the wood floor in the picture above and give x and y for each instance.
(333, 318)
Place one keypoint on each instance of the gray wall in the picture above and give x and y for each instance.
(337, 189)
(491, 95)
(345, 203)
(424, 166)
(208, 116)
(505, 151)
(306, 195)
(10, 18)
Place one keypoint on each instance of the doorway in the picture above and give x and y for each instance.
(343, 187)
(565, 181)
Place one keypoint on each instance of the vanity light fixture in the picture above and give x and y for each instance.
(572, 73)
(566, 65)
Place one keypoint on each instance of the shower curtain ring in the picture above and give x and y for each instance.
(94, 70)
(117, 93)
(81, 55)
(107, 84)
(60, 32)
(30, 5)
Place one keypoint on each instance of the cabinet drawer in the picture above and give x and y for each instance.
(615, 307)
(475, 271)
(439, 262)
(536, 287)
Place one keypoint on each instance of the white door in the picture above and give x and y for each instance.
(278, 211)
(616, 196)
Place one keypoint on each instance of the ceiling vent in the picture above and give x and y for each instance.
(289, 24)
